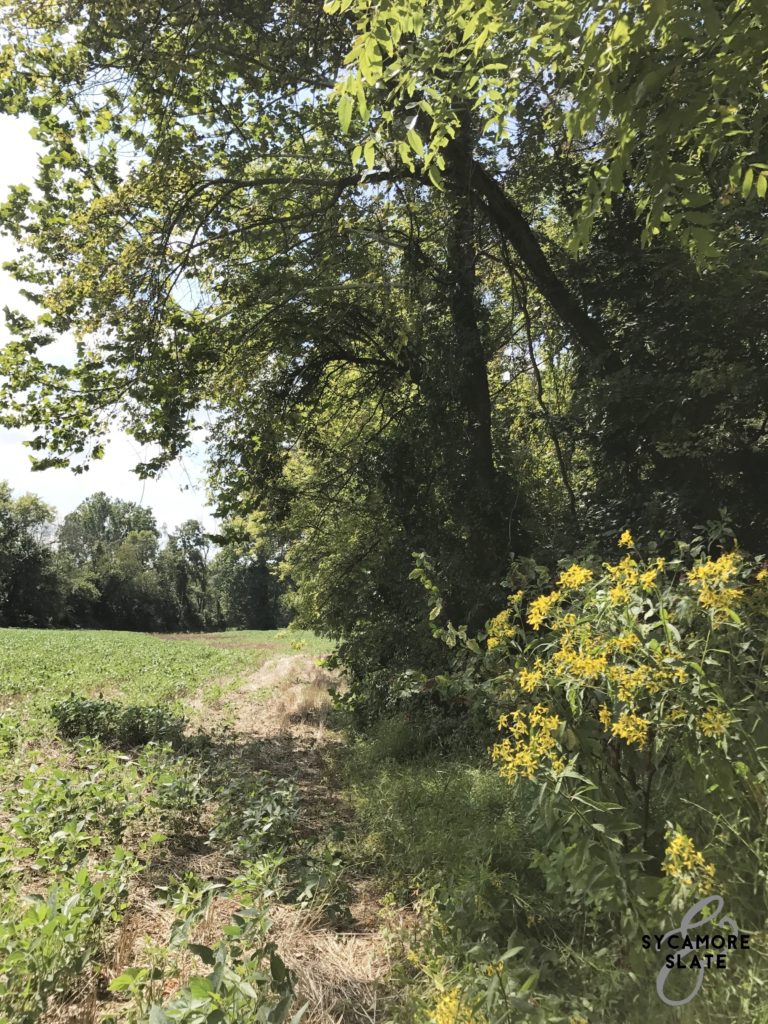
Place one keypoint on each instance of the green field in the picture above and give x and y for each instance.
(37, 666)
(100, 841)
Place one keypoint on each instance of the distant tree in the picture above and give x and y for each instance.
(247, 589)
(30, 591)
(109, 548)
(183, 570)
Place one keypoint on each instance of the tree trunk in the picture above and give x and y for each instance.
(482, 513)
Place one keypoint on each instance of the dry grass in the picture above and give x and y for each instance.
(341, 975)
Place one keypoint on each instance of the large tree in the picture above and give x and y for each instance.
(350, 306)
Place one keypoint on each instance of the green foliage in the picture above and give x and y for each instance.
(630, 726)
(255, 813)
(42, 665)
(445, 825)
(105, 566)
(30, 589)
(114, 724)
(249, 982)
(626, 83)
(47, 942)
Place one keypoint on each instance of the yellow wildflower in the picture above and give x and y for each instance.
(714, 571)
(625, 642)
(683, 862)
(541, 608)
(605, 716)
(625, 540)
(714, 722)
(721, 600)
(584, 665)
(762, 575)
(501, 629)
(631, 728)
(530, 678)
(575, 577)
(625, 576)
(450, 1010)
(648, 578)
(532, 742)
(710, 579)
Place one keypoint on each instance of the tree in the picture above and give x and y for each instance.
(183, 568)
(347, 307)
(29, 587)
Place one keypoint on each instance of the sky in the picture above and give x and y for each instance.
(179, 493)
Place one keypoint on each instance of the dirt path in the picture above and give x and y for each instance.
(340, 967)
(273, 726)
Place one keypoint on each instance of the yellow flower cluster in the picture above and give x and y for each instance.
(714, 722)
(500, 629)
(711, 580)
(633, 682)
(574, 577)
(604, 715)
(631, 728)
(494, 969)
(532, 741)
(625, 642)
(648, 578)
(450, 1010)
(762, 575)
(683, 862)
(625, 576)
(625, 540)
(541, 608)
(584, 664)
(530, 678)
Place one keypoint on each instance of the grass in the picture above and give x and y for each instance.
(38, 666)
(106, 855)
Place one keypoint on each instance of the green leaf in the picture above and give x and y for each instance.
(344, 111)
(204, 952)
(414, 140)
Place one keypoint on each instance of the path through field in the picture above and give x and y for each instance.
(125, 865)
(274, 722)
(340, 968)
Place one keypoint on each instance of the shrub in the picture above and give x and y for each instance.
(46, 942)
(632, 722)
(119, 725)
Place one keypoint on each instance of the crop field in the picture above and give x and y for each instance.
(192, 831)
(142, 836)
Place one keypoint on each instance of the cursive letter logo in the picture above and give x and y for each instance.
(689, 923)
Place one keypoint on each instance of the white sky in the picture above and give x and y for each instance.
(177, 495)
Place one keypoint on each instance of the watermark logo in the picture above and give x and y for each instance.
(701, 943)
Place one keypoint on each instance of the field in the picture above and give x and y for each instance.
(186, 835)
(137, 868)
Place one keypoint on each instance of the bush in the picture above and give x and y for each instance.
(633, 700)
(118, 725)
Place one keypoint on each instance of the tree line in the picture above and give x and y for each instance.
(107, 565)
(439, 284)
